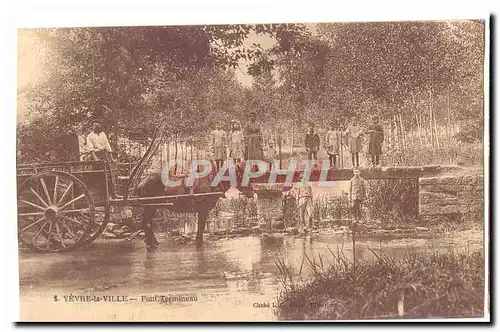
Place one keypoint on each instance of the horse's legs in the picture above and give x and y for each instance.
(202, 220)
(147, 226)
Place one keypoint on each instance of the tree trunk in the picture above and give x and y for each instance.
(436, 131)
(418, 129)
(430, 118)
(168, 152)
(175, 156)
(393, 140)
(416, 113)
(280, 141)
(448, 125)
(184, 156)
(403, 133)
(161, 158)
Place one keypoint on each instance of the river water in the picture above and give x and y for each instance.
(229, 279)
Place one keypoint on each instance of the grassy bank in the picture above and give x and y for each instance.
(435, 285)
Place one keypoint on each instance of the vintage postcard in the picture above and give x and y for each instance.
(328, 171)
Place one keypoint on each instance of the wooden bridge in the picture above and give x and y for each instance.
(377, 173)
(332, 175)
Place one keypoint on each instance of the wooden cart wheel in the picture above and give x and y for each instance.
(101, 219)
(55, 212)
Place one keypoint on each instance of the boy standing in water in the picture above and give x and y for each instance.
(357, 195)
(376, 139)
(305, 203)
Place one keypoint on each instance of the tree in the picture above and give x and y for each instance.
(351, 68)
(133, 77)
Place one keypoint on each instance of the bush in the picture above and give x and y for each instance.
(436, 285)
(330, 207)
(451, 153)
(245, 210)
(392, 200)
(470, 133)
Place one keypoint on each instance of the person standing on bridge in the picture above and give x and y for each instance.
(312, 143)
(236, 142)
(354, 133)
(357, 194)
(332, 142)
(376, 139)
(100, 149)
(219, 145)
(271, 155)
(253, 138)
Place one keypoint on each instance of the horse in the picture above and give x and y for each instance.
(153, 186)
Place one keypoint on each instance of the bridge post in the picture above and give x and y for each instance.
(269, 205)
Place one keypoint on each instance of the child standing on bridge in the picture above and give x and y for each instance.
(271, 154)
(332, 143)
(219, 138)
(376, 138)
(236, 142)
(312, 143)
(354, 133)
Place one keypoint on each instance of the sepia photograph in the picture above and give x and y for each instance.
(270, 172)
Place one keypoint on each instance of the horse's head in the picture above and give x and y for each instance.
(246, 190)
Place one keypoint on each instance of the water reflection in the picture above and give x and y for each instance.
(201, 264)
(243, 252)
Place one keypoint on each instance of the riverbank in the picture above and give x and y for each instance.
(372, 229)
(433, 285)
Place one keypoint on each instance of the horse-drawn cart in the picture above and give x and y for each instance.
(64, 205)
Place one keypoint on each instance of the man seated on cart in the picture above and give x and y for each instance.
(100, 149)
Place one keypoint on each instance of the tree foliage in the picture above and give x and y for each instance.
(184, 76)
(350, 69)
(134, 77)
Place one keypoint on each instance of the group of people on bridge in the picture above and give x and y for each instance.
(246, 143)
